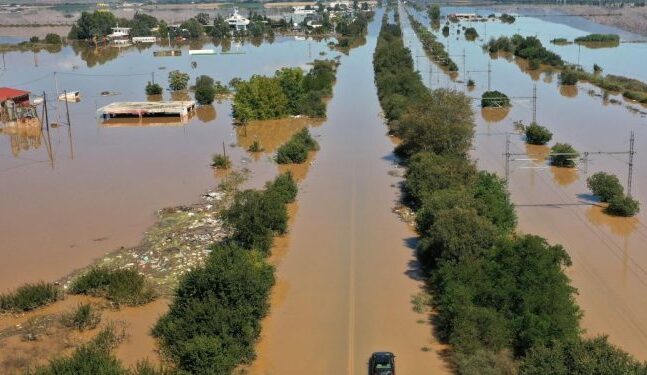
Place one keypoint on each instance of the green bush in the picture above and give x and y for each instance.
(255, 147)
(29, 297)
(428, 173)
(597, 68)
(84, 317)
(297, 148)
(220, 161)
(121, 286)
(623, 206)
(470, 83)
(568, 77)
(507, 18)
(580, 357)
(441, 122)
(53, 39)
(205, 94)
(214, 320)
(534, 64)
(565, 155)
(494, 99)
(605, 186)
(34, 39)
(178, 80)
(471, 33)
(537, 134)
(559, 41)
(255, 217)
(153, 89)
(284, 187)
(598, 38)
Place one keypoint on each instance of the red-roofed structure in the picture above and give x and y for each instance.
(18, 96)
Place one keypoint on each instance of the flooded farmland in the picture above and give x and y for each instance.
(101, 186)
(609, 261)
(346, 270)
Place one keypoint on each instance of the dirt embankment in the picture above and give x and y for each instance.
(626, 18)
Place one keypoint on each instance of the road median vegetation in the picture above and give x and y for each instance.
(502, 299)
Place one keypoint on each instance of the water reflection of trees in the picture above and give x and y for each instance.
(564, 176)
(99, 55)
(492, 115)
(271, 133)
(22, 136)
(205, 113)
(621, 226)
(568, 91)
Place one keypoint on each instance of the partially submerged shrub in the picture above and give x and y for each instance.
(494, 99)
(537, 134)
(220, 161)
(205, 94)
(623, 206)
(297, 148)
(471, 34)
(153, 89)
(178, 80)
(122, 286)
(84, 317)
(568, 77)
(255, 147)
(29, 297)
(605, 186)
(563, 155)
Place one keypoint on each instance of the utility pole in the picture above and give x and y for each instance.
(489, 75)
(69, 126)
(534, 103)
(631, 163)
(507, 158)
(153, 77)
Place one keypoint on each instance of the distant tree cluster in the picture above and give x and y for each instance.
(289, 92)
(433, 47)
(529, 47)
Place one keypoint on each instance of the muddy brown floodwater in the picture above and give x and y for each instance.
(101, 184)
(609, 258)
(347, 274)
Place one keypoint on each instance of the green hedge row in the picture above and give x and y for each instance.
(502, 299)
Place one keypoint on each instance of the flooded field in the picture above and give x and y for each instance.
(609, 261)
(101, 186)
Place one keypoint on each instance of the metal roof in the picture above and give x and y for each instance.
(9, 93)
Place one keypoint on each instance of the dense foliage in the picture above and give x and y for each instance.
(581, 357)
(563, 155)
(93, 25)
(471, 33)
(568, 77)
(289, 92)
(435, 49)
(537, 134)
(501, 298)
(205, 90)
(122, 286)
(178, 80)
(296, 149)
(599, 38)
(529, 47)
(29, 297)
(494, 99)
(214, 320)
(153, 89)
(623, 206)
(604, 185)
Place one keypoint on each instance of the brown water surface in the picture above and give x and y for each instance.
(347, 275)
(609, 262)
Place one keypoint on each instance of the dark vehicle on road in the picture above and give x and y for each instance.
(382, 363)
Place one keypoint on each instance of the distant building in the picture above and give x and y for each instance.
(120, 35)
(237, 21)
(17, 96)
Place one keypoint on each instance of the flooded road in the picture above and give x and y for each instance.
(609, 258)
(347, 274)
(101, 186)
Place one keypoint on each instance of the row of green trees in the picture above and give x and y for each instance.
(290, 92)
(214, 320)
(433, 47)
(502, 299)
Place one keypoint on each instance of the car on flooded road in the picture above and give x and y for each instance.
(381, 363)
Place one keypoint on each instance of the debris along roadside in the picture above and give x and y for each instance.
(177, 242)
